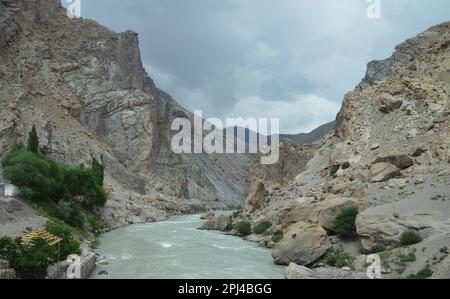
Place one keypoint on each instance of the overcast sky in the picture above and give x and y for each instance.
(292, 59)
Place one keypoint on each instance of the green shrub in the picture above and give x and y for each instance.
(243, 228)
(95, 224)
(345, 221)
(68, 244)
(277, 237)
(30, 261)
(422, 274)
(408, 258)
(33, 141)
(70, 212)
(339, 258)
(345, 165)
(262, 227)
(81, 183)
(410, 237)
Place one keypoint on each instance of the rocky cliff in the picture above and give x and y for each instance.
(85, 89)
(389, 157)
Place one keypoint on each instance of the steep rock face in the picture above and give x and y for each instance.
(267, 180)
(86, 91)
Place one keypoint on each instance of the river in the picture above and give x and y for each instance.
(176, 249)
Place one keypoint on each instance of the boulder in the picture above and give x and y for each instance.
(323, 213)
(400, 161)
(378, 229)
(331, 207)
(295, 271)
(389, 103)
(383, 171)
(303, 244)
(219, 223)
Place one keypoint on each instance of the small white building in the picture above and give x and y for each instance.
(8, 190)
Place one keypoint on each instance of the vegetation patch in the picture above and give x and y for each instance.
(339, 258)
(410, 237)
(262, 227)
(277, 237)
(243, 228)
(345, 222)
(407, 258)
(31, 260)
(346, 165)
(61, 192)
(422, 274)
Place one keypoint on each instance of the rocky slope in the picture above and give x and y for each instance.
(86, 91)
(389, 156)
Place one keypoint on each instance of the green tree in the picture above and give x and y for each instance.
(33, 141)
(39, 176)
(98, 171)
(31, 260)
(70, 212)
(68, 244)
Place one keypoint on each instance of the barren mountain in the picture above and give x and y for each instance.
(86, 91)
(389, 157)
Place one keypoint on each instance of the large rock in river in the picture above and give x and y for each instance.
(219, 223)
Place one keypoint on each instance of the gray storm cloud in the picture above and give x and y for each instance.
(290, 59)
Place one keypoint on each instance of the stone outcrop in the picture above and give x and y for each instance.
(303, 244)
(323, 213)
(380, 172)
(267, 181)
(389, 103)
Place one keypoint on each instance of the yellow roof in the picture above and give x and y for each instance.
(52, 240)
